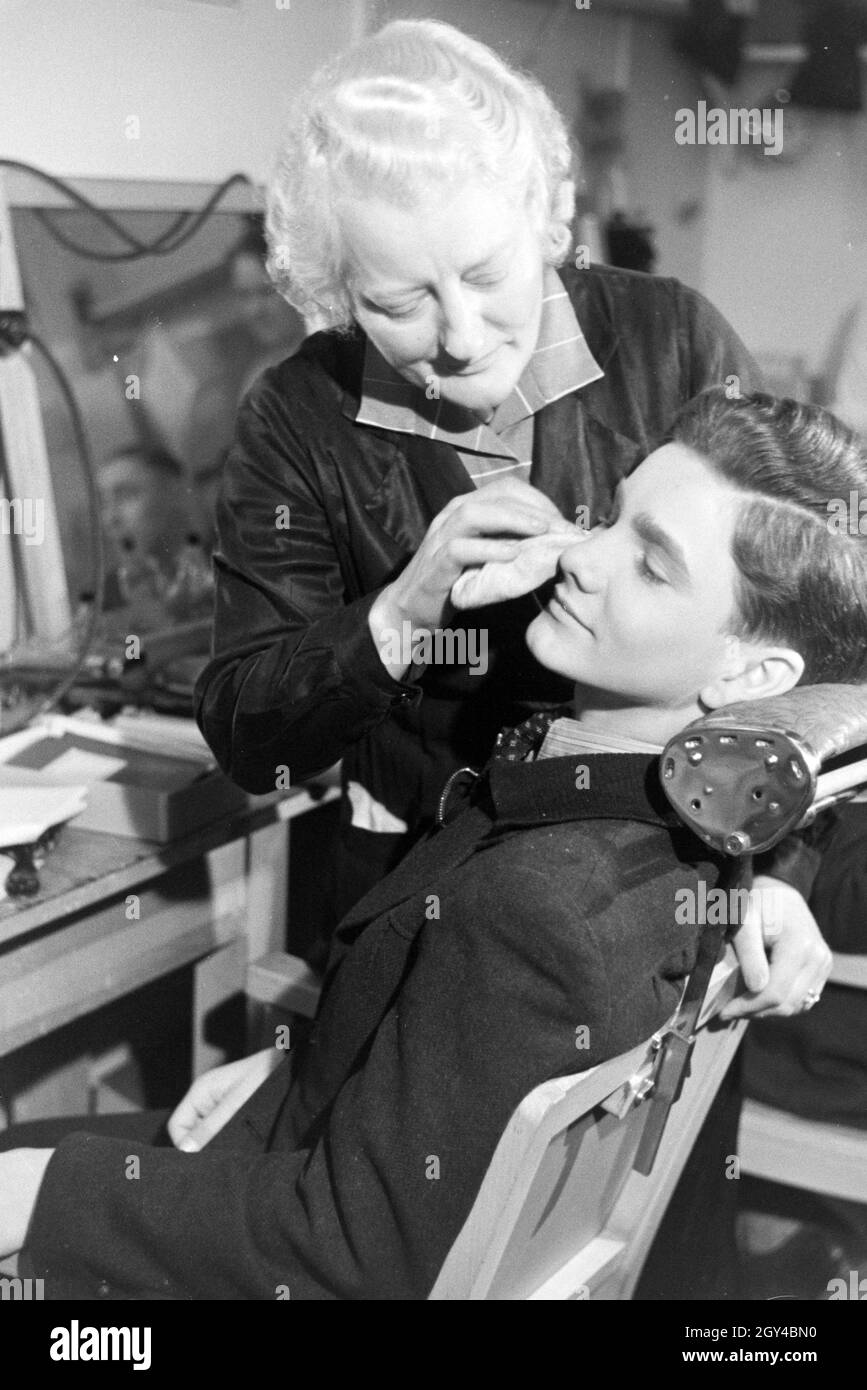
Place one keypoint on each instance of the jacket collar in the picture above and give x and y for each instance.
(592, 313)
(571, 427)
(561, 363)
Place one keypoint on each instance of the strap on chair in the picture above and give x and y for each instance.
(675, 1042)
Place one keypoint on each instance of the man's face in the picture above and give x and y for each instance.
(134, 502)
(642, 607)
(450, 292)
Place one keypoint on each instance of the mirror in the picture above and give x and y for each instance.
(158, 352)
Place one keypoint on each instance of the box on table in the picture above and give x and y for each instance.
(145, 795)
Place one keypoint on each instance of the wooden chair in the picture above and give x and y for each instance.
(562, 1212)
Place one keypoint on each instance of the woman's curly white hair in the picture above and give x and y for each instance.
(417, 106)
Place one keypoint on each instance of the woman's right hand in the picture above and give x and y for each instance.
(470, 530)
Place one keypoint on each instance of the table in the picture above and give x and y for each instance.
(114, 913)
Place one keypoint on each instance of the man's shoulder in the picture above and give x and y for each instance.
(588, 862)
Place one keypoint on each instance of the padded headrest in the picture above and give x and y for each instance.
(745, 776)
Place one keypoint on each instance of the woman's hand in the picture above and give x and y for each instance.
(781, 952)
(535, 561)
(214, 1098)
(470, 530)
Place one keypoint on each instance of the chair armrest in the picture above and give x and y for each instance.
(285, 981)
(745, 776)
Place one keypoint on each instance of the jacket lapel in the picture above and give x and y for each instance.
(438, 854)
(413, 485)
(596, 456)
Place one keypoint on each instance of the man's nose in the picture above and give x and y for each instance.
(462, 332)
(584, 563)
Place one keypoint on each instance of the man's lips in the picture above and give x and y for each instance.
(559, 600)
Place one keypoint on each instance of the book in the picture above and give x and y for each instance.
(26, 812)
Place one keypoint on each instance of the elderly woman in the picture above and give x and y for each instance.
(469, 388)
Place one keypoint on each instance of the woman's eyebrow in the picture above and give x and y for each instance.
(406, 290)
(379, 297)
(653, 534)
(489, 256)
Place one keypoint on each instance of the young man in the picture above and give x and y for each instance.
(545, 908)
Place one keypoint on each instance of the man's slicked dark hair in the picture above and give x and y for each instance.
(801, 581)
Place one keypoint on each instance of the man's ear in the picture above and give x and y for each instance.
(761, 673)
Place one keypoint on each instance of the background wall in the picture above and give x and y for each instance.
(570, 50)
(785, 248)
(781, 247)
(779, 244)
(208, 82)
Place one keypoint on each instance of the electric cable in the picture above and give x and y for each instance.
(181, 230)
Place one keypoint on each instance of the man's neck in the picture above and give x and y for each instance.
(647, 723)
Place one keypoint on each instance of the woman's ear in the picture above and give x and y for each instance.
(766, 671)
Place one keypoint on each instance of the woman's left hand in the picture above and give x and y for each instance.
(783, 956)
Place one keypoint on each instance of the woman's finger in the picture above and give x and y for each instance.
(479, 550)
(510, 487)
(491, 517)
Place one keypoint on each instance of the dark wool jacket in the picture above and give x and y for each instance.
(296, 679)
(457, 986)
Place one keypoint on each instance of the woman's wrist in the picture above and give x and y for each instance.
(386, 621)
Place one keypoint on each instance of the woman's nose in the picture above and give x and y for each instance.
(462, 332)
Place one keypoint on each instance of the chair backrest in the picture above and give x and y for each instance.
(561, 1213)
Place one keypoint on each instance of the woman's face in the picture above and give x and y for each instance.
(449, 291)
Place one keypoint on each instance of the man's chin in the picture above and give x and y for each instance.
(542, 641)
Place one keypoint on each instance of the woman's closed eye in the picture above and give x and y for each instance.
(394, 311)
(485, 282)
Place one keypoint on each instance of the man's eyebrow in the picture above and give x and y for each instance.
(652, 534)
